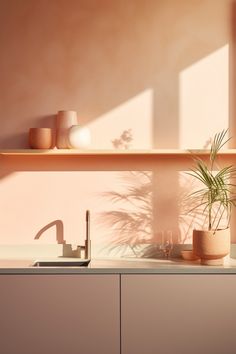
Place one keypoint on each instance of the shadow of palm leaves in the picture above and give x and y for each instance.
(131, 222)
(190, 216)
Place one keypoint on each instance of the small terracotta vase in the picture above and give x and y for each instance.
(211, 246)
(64, 120)
(79, 137)
(40, 138)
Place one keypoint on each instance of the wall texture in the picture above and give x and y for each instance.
(162, 68)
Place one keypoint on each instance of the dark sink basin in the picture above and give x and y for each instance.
(61, 263)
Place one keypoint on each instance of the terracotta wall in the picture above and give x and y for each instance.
(162, 68)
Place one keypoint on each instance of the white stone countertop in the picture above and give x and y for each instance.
(119, 266)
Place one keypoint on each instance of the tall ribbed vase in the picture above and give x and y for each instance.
(64, 120)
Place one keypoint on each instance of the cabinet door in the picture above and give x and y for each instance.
(178, 314)
(59, 314)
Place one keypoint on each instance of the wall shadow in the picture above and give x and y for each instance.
(131, 219)
(152, 202)
(14, 141)
(110, 52)
(135, 231)
(21, 140)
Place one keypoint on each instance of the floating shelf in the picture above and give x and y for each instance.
(72, 152)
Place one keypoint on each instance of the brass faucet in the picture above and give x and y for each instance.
(67, 248)
(87, 246)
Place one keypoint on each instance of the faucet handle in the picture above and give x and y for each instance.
(87, 241)
(87, 215)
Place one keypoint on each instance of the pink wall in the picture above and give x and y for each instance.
(121, 65)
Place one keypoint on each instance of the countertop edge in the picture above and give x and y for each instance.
(127, 271)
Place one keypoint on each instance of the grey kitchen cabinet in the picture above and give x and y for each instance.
(178, 314)
(59, 314)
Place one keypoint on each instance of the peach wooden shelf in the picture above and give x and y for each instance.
(72, 152)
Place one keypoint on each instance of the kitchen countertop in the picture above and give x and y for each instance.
(119, 266)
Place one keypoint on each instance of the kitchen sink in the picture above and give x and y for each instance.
(62, 263)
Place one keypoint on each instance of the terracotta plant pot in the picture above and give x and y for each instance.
(40, 138)
(211, 246)
(64, 120)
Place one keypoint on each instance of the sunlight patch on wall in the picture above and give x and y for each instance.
(204, 99)
(127, 126)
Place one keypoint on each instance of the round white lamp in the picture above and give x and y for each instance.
(79, 137)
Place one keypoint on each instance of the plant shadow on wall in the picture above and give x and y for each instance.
(131, 222)
(124, 141)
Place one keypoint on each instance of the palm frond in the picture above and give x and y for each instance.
(218, 192)
(218, 142)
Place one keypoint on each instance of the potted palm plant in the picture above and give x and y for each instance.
(215, 200)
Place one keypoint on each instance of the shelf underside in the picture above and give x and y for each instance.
(72, 152)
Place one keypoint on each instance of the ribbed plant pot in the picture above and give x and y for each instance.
(211, 246)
